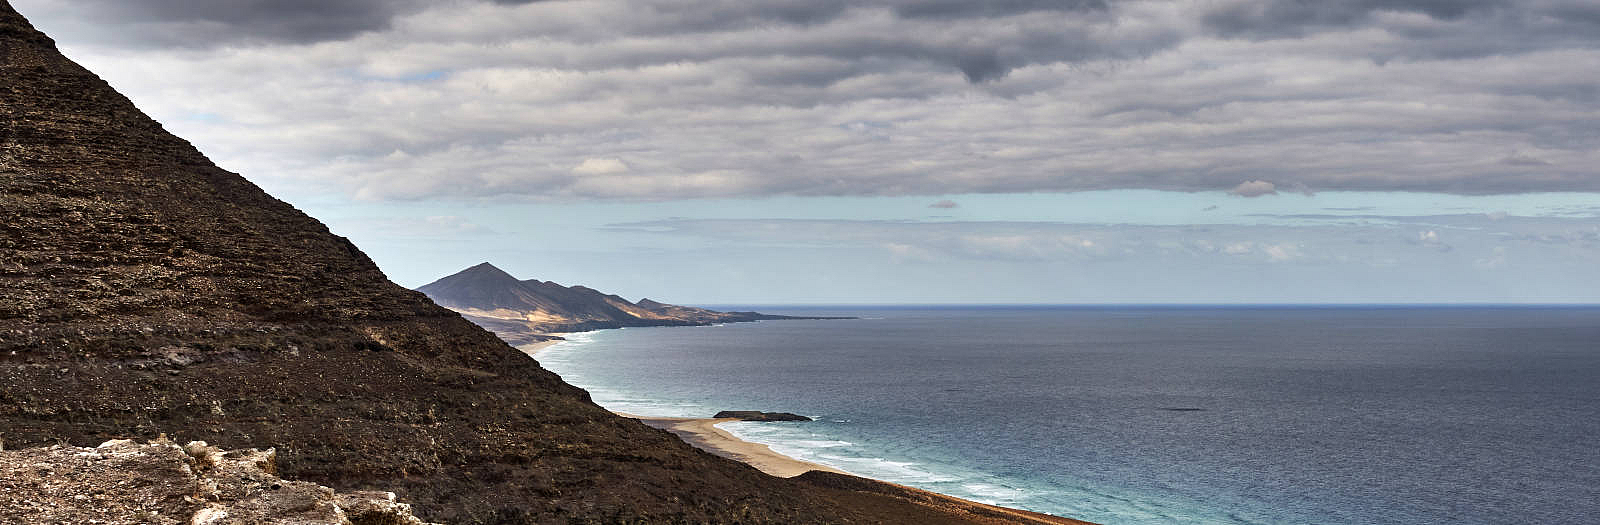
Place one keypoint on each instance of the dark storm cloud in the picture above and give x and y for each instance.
(1450, 29)
(204, 23)
(957, 9)
(1289, 18)
(979, 57)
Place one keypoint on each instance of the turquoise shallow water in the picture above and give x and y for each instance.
(1157, 415)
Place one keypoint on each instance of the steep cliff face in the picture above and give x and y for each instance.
(144, 291)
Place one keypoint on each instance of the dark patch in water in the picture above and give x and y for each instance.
(1182, 409)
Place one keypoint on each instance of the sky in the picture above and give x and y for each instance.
(905, 151)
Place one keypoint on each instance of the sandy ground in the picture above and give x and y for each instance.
(704, 434)
(533, 349)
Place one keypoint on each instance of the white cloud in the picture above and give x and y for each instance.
(600, 167)
(1282, 252)
(425, 227)
(1254, 188)
(1430, 239)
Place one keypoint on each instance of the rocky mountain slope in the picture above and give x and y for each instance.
(525, 311)
(145, 291)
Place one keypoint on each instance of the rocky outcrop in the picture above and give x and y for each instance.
(754, 415)
(525, 311)
(160, 483)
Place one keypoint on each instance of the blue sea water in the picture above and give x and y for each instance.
(1139, 415)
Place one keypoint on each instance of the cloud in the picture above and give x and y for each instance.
(1269, 251)
(600, 167)
(1430, 239)
(1466, 241)
(944, 204)
(1282, 252)
(425, 227)
(1520, 159)
(210, 23)
(1289, 18)
(709, 98)
(1254, 188)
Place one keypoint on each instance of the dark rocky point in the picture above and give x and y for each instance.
(753, 415)
(145, 291)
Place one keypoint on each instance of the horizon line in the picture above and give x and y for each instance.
(1174, 304)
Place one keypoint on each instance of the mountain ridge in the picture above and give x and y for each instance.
(526, 311)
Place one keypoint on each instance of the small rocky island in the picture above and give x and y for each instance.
(755, 415)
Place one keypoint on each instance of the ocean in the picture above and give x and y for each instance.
(1141, 415)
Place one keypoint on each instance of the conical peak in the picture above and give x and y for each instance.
(485, 267)
(486, 270)
(19, 40)
(476, 276)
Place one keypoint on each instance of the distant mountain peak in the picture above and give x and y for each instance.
(484, 268)
(483, 272)
(525, 311)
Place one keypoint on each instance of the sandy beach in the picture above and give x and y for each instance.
(533, 349)
(704, 434)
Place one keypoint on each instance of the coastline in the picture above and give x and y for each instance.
(533, 349)
(704, 435)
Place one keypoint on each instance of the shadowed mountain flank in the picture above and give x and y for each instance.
(526, 311)
(145, 291)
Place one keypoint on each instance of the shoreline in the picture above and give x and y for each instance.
(704, 435)
(533, 349)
